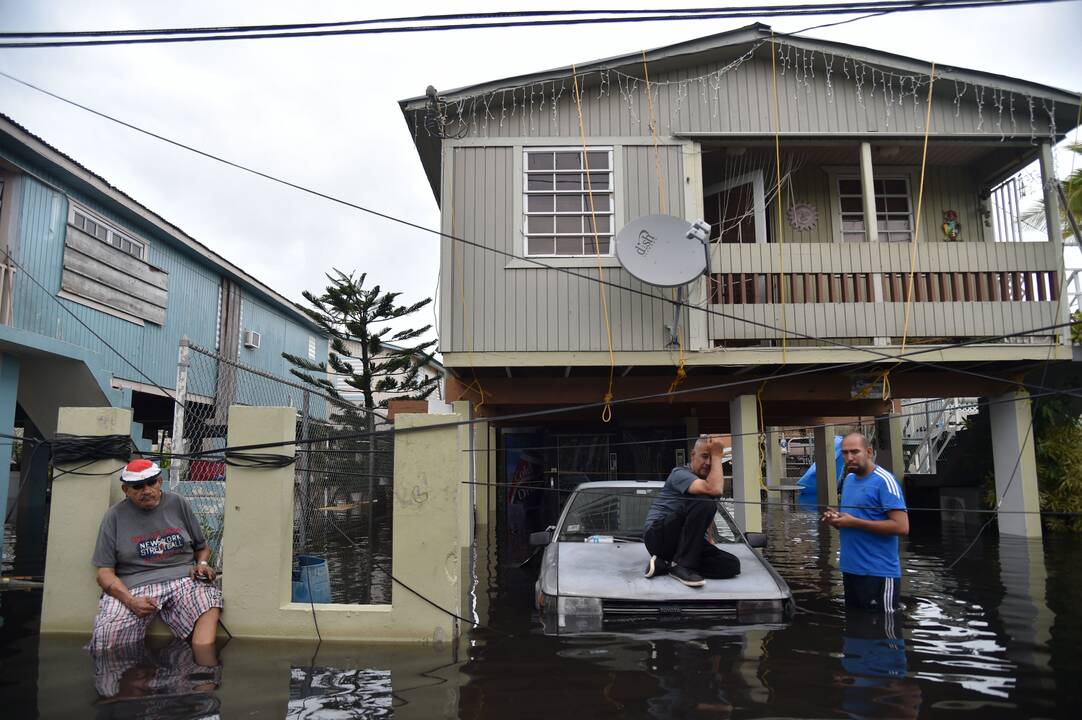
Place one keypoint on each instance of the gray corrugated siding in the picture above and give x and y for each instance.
(742, 102)
(488, 307)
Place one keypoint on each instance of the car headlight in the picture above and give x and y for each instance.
(578, 606)
(760, 610)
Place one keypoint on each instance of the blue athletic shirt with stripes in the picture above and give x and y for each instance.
(870, 498)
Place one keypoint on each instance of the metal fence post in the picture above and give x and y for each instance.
(304, 470)
(178, 465)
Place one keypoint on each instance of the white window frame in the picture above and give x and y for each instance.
(836, 175)
(610, 234)
(114, 236)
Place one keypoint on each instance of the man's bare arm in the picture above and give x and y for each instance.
(714, 483)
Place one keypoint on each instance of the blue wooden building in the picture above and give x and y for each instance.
(83, 267)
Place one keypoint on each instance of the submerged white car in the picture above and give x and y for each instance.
(592, 568)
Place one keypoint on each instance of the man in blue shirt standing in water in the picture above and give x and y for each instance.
(873, 518)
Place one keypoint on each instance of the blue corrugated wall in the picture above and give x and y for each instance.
(192, 304)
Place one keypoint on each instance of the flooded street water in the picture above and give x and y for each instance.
(996, 636)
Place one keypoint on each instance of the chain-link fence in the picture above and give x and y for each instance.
(344, 475)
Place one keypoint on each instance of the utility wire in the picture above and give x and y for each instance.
(471, 243)
(171, 35)
(772, 9)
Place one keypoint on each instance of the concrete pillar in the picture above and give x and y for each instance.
(743, 421)
(775, 461)
(257, 543)
(70, 599)
(826, 485)
(484, 443)
(889, 450)
(1015, 464)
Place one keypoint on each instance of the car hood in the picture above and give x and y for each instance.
(615, 571)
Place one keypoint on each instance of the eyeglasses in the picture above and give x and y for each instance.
(140, 485)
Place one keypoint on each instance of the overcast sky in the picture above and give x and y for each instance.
(322, 112)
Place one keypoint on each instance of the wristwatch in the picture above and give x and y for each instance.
(204, 562)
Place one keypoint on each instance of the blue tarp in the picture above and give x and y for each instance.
(808, 480)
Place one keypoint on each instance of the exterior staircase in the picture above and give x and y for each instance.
(928, 428)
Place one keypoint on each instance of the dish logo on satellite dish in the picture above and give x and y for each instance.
(646, 241)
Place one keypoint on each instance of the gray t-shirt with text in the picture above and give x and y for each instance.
(148, 546)
(673, 496)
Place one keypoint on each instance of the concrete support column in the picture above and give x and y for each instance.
(257, 544)
(889, 450)
(70, 599)
(1015, 464)
(775, 461)
(826, 480)
(691, 426)
(743, 421)
(484, 446)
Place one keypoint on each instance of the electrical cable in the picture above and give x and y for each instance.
(420, 595)
(568, 271)
(835, 7)
(760, 12)
(609, 492)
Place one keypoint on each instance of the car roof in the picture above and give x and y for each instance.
(620, 484)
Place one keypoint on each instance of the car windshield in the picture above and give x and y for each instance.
(619, 513)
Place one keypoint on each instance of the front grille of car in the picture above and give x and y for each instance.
(647, 609)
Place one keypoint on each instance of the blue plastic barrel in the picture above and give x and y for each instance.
(311, 576)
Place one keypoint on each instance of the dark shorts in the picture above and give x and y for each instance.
(868, 592)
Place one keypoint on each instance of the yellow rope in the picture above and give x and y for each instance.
(663, 205)
(920, 203)
(662, 200)
(777, 200)
(762, 435)
(606, 411)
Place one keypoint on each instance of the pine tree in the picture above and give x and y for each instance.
(346, 311)
(349, 313)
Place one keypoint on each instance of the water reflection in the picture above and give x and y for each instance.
(140, 681)
(322, 692)
(998, 635)
(876, 680)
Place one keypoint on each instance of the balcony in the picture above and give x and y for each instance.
(856, 292)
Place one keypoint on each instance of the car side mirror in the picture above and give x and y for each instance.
(544, 537)
(755, 539)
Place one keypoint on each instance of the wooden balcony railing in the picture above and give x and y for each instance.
(858, 290)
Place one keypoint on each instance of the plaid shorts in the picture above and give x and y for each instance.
(180, 603)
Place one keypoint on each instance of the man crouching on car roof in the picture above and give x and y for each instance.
(676, 526)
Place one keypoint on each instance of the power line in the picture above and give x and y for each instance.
(773, 9)
(180, 35)
(477, 245)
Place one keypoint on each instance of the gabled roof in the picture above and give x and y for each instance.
(749, 35)
(723, 47)
(100, 188)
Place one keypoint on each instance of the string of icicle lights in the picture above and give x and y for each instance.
(535, 106)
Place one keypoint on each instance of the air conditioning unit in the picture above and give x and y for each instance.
(251, 339)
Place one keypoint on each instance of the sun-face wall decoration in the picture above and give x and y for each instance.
(803, 217)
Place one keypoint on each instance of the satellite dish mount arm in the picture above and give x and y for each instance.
(699, 230)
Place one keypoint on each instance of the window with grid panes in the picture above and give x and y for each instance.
(108, 235)
(566, 197)
(893, 212)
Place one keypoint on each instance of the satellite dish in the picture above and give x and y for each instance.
(663, 250)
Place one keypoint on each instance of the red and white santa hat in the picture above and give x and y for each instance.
(139, 471)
